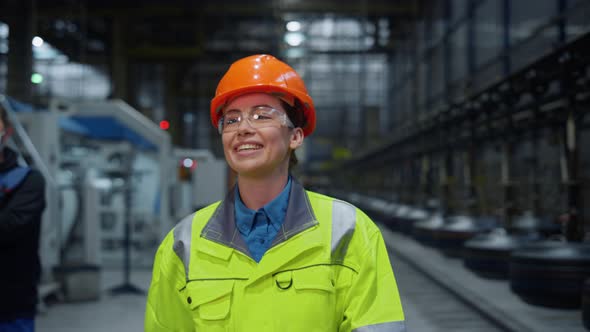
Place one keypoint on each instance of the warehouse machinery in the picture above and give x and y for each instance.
(201, 180)
(116, 185)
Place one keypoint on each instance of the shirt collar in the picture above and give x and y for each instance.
(275, 210)
(222, 226)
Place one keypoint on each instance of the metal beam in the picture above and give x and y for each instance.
(228, 8)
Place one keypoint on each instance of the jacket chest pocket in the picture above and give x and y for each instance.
(210, 303)
(305, 299)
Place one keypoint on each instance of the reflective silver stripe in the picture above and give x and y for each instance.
(182, 241)
(343, 223)
(383, 327)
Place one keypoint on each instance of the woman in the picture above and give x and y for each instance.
(271, 256)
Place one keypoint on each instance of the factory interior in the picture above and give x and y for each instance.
(457, 126)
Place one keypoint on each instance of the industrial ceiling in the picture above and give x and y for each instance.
(338, 41)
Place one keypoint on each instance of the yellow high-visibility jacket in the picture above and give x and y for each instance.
(326, 270)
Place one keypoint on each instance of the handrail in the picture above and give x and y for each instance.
(26, 141)
(52, 212)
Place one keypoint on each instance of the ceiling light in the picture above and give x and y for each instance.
(294, 38)
(37, 41)
(293, 26)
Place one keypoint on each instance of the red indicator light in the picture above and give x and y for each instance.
(164, 124)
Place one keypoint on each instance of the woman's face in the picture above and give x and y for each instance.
(259, 152)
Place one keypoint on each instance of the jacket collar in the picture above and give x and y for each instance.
(221, 227)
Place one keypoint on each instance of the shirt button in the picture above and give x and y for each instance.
(261, 241)
(189, 300)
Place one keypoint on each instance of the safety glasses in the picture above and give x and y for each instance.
(261, 116)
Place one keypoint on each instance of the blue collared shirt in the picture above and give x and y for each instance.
(259, 228)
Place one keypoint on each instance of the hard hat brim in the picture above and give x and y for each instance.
(220, 101)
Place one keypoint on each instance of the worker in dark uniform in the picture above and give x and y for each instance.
(22, 201)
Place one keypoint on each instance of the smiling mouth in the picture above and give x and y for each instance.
(248, 147)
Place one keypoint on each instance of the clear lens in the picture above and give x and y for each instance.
(257, 117)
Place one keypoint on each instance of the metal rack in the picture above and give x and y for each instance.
(551, 94)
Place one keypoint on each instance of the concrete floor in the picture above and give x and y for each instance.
(490, 296)
(112, 313)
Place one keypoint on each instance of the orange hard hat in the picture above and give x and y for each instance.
(263, 73)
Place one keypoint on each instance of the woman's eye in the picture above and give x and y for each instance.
(231, 121)
(262, 117)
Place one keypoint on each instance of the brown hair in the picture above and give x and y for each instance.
(295, 114)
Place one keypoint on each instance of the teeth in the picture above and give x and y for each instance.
(249, 147)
